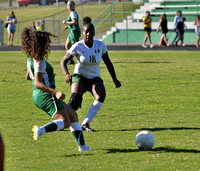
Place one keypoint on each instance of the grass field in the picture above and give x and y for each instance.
(3, 1)
(159, 93)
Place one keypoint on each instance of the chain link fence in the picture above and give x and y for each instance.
(53, 23)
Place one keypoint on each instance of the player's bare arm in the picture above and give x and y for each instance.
(159, 26)
(27, 76)
(111, 69)
(73, 22)
(64, 68)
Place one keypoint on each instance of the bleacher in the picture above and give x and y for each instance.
(189, 8)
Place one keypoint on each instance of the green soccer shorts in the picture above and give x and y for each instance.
(48, 103)
(73, 37)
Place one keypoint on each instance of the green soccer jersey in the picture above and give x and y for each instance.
(75, 29)
(41, 67)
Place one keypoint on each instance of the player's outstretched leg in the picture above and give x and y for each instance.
(56, 125)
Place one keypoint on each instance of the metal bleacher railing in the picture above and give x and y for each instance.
(113, 13)
(189, 8)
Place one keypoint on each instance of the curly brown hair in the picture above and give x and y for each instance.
(26, 41)
(36, 44)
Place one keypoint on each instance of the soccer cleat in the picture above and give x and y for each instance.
(36, 132)
(86, 127)
(84, 148)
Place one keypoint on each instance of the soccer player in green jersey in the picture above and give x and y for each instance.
(36, 45)
(73, 26)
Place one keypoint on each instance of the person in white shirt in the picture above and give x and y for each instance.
(86, 77)
(197, 29)
(177, 19)
(11, 22)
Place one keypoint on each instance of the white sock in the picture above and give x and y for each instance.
(60, 124)
(43, 130)
(75, 126)
(94, 108)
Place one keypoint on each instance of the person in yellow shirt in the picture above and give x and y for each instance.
(147, 28)
(38, 28)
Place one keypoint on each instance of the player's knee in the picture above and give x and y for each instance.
(101, 98)
(72, 114)
(67, 123)
(75, 101)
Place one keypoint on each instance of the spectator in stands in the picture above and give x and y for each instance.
(38, 28)
(1, 154)
(197, 29)
(177, 19)
(147, 28)
(33, 27)
(164, 29)
(180, 29)
(11, 28)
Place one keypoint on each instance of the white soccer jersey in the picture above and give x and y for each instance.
(88, 59)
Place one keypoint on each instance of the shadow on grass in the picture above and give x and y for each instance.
(162, 129)
(154, 129)
(158, 149)
(78, 155)
(181, 78)
(143, 62)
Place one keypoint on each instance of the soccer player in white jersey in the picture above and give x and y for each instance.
(36, 45)
(86, 77)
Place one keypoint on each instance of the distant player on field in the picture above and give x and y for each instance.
(73, 26)
(36, 45)
(86, 77)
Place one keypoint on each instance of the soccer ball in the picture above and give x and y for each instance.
(144, 140)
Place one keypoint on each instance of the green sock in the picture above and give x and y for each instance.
(56, 125)
(78, 135)
(50, 127)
